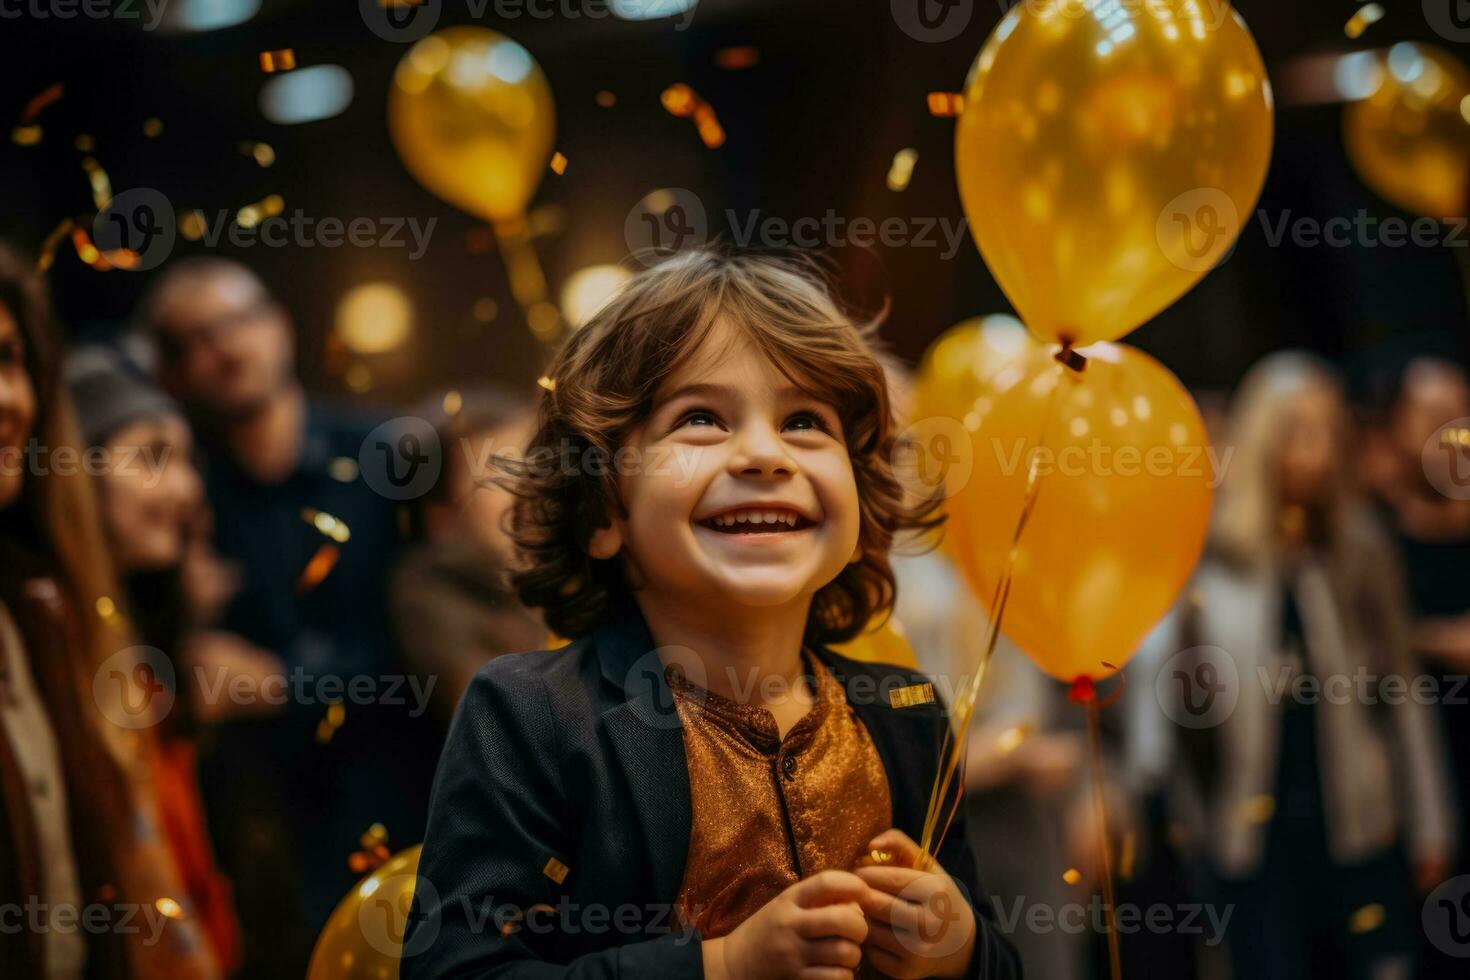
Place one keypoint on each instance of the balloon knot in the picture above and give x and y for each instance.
(1069, 357)
(1083, 691)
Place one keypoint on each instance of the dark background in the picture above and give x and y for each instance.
(838, 88)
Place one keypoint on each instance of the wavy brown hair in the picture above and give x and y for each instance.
(604, 379)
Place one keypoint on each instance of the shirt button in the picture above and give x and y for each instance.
(788, 766)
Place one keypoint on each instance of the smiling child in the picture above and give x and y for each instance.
(696, 785)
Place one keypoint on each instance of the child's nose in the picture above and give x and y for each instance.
(761, 453)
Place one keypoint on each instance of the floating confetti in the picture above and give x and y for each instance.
(1071, 876)
(101, 183)
(169, 908)
(737, 58)
(546, 382)
(274, 61)
(327, 727)
(558, 163)
(946, 104)
(343, 469)
(453, 402)
(192, 225)
(26, 135)
(1010, 740)
(28, 132)
(1367, 919)
(332, 527)
(48, 247)
(1367, 15)
(902, 168)
(681, 100)
(606, 99)
(318, 568)
(88, 252)
(153, 127)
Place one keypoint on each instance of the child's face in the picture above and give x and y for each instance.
(742, 491)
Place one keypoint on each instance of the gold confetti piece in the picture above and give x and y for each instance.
(1071, 876)
(48, 247)
(679, 99)
(106, 608)
(329, 526)
(606, 99)
(249, 216)
(374, 836)
(555, 870)
(879, 856)
(272, 205)
(169, 908)
(453, 402)
(737, 58)
(318, 568)
(274, 61)
(153, 127)
(902, 168)
(1010, 740)
(1367, 15)
(343, 469)
(101, 183)
(548, 383)
(558, 163)
(26, 135)
(946, 104)
(709, 127)
(192, 225)
(87, 252)
(1366, 919)
(84, 143)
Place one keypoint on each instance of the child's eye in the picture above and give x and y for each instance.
(698, 418)
(806, 421)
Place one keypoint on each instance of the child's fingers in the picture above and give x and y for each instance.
(883, 936)
(887, 963)
(885, 908)
(828, 888)
(894, 880)
(832, 952)
(825, 973)
(898, 845)
(845, 921)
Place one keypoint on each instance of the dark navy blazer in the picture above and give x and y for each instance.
(560, 818)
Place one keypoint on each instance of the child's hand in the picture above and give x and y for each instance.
(812, 931)
(919, 924)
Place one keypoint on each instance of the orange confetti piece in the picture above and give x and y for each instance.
(558, 163)
(48, 95)
(1367, 15)
(548, 383)
(737, 58)
(1071, 876)
(48, 247)
(946, 104)
(680, 100)
(318, 568)
(274, 61)
(606, 99)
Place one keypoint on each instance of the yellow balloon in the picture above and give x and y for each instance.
(1108, 155)
(956, 366)
(364, 935)
(1122, 503)
(472, 119)
(1409, 140)
(884, 645)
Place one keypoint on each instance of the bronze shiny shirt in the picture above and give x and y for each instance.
(768, 811)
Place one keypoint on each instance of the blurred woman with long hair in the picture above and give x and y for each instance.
(84, 870)
(1319, 784)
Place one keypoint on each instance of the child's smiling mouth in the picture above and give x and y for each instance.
(757, 520)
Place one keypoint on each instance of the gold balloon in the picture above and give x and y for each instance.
(1108, 155)
(955, 368)
(1409, 140)
(1122, 502)
(884, 645)
(364, 935)
(471, 116)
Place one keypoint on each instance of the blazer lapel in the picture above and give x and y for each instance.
(648, 740)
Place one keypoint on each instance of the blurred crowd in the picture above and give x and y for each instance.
(227, 663)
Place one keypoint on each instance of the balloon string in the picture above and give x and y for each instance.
(522, 267)
(964, 708)
(1084, 692)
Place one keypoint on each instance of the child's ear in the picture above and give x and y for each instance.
(605, 542)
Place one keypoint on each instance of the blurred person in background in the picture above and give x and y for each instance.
(1319, 799)
(151, 503)
(350, 746)
(79, 829)
(1424, 487)
(453, 608)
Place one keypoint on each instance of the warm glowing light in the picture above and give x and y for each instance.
(374, 318)
(588, 290)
